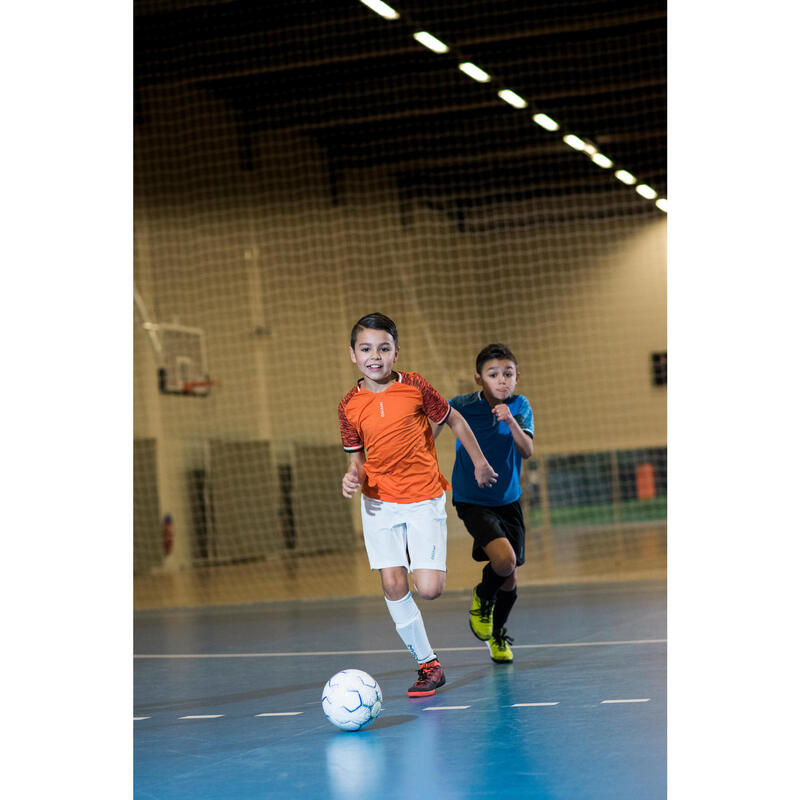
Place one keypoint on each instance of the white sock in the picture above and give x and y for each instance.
(410, 627)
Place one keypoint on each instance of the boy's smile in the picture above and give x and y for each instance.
(499, 379)
(374, 354)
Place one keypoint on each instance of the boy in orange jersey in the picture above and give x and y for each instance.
(402, 490)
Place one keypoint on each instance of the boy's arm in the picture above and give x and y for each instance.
(522, 440)
(485, 476)
(354, 476)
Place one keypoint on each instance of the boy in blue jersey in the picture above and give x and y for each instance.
(502, 422)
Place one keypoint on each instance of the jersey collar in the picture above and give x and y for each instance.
(360, 381)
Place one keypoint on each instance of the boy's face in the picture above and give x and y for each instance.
(374, 354)
(498, 377)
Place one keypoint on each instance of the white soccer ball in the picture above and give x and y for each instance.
(351, 699)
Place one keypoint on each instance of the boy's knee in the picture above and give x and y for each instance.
(504, 567)
(429, 587)
(395, 586)
(395, 592)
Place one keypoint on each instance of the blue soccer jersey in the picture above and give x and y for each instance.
(498, 446)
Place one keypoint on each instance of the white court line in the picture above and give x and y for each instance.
(634, 700)
(526, 705)
(135, 719)
(382, 652)
(280, 714)
(444, 708)
(203, 716)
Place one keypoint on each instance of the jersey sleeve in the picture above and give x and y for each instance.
(524, 415)
(434, 405)
(351, 439)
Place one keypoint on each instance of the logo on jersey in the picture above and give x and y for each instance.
(381, 407)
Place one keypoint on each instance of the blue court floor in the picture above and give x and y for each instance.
(227, 701)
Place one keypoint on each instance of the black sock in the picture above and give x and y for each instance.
(490, 583)
(502, 608)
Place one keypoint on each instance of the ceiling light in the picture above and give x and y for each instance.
(379, 7)
(474, 72)
(546, 122)
(646, 191)
(602, 161)
(662, 204)
(625, 177)
(574, 141)
(589, 149)
(512, 98)
(431, 42)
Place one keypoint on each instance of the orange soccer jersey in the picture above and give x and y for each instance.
(392, 426)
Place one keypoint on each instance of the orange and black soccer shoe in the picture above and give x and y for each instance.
(430, 678)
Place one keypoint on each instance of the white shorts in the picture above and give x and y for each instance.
(410, 535)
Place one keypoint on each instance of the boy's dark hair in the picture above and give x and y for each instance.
(494, 351)
(376, 321)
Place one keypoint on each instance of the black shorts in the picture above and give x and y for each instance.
(486, 523)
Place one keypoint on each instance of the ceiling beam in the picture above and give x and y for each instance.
(283, 66)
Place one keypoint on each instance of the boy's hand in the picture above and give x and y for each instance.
(502, 413)
(350, 482)
(485, 475)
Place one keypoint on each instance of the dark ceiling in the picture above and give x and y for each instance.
(369, 94)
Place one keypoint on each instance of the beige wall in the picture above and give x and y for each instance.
(582, 305)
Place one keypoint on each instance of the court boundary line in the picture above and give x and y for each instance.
(280, 714)
(630, 700)
(532, 705)
(384, 652)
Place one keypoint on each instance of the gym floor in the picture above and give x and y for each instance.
(227, 700)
